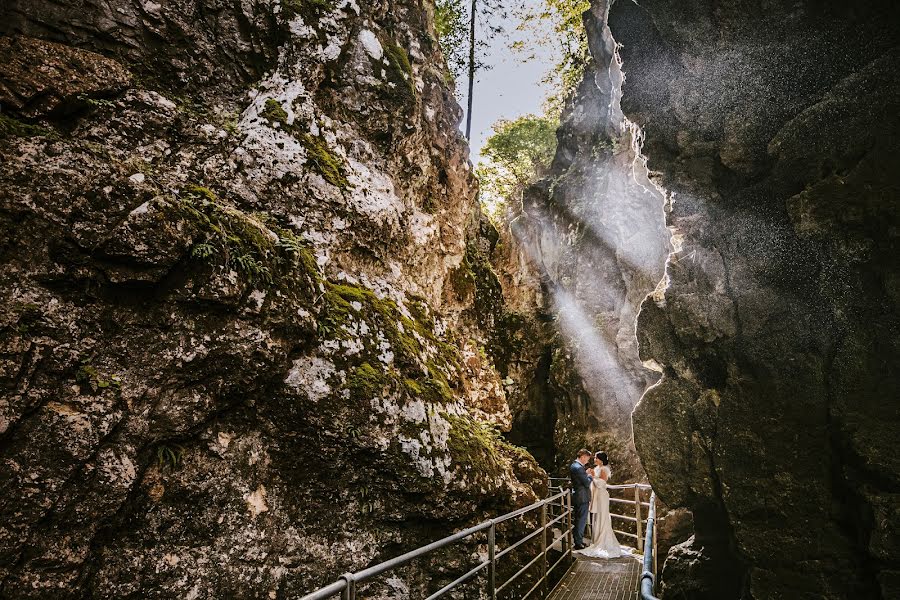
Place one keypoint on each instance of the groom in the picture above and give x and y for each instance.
(581, 495)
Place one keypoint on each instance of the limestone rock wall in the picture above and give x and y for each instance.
(775, 128)
(235, 361)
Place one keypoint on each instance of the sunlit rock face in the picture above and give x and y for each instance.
(593, 233)
(775, 127)
(239, 355)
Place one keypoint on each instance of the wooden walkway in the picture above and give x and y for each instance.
(597, 579)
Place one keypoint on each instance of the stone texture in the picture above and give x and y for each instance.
(774, 128)
(41, 78)
(234, 363)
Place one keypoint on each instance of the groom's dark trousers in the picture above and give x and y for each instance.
(581, 499)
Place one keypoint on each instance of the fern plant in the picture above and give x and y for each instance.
(169, 456)
(203, 251)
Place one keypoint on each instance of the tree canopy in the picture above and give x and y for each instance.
(556, 24)
(517, 152)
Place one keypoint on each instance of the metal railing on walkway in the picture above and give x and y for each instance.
(646, 544)
(346, 586)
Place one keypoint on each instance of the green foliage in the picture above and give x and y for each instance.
(203, 251)
(368, 503)
(88, 376)
(291, 243)
(518, 152)
(169, 456)
(252, 268)
(240, 241)
(452, 27)
(96, 102)
(557, 25)
(10, 127)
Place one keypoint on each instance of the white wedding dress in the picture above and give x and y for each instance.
(603, 539)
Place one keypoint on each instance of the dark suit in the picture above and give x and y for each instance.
(581, 499)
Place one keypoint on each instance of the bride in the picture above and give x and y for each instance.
(603, 539)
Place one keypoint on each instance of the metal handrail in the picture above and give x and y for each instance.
(648, 579)
(630, 486)
(346, 585)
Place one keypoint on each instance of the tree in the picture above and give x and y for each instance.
(450, 25)
(557, 24)
(472, 15)
(455, 24)
(516, 154)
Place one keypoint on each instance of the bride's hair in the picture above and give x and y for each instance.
(601, 456)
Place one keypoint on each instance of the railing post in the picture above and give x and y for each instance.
(637, 512)
(349, 592)
(492, 562)
(569, 536)
(544, 550)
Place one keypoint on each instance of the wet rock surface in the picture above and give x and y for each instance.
(234, 362)
(775, 130)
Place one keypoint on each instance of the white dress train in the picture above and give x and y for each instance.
(603, 539)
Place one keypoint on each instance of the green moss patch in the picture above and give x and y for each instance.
(399, 70)
(422, 364)
(274, 112)
(10, 127)
(479, 447)
(328, 164)
(365, 381)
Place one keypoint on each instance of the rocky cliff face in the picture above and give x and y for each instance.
(593, 236)
(774, 127)
(240, 248)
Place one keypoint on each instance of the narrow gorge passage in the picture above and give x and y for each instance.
(593, 234)
(256, 330)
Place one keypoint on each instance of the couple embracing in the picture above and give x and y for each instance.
(590, 496)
